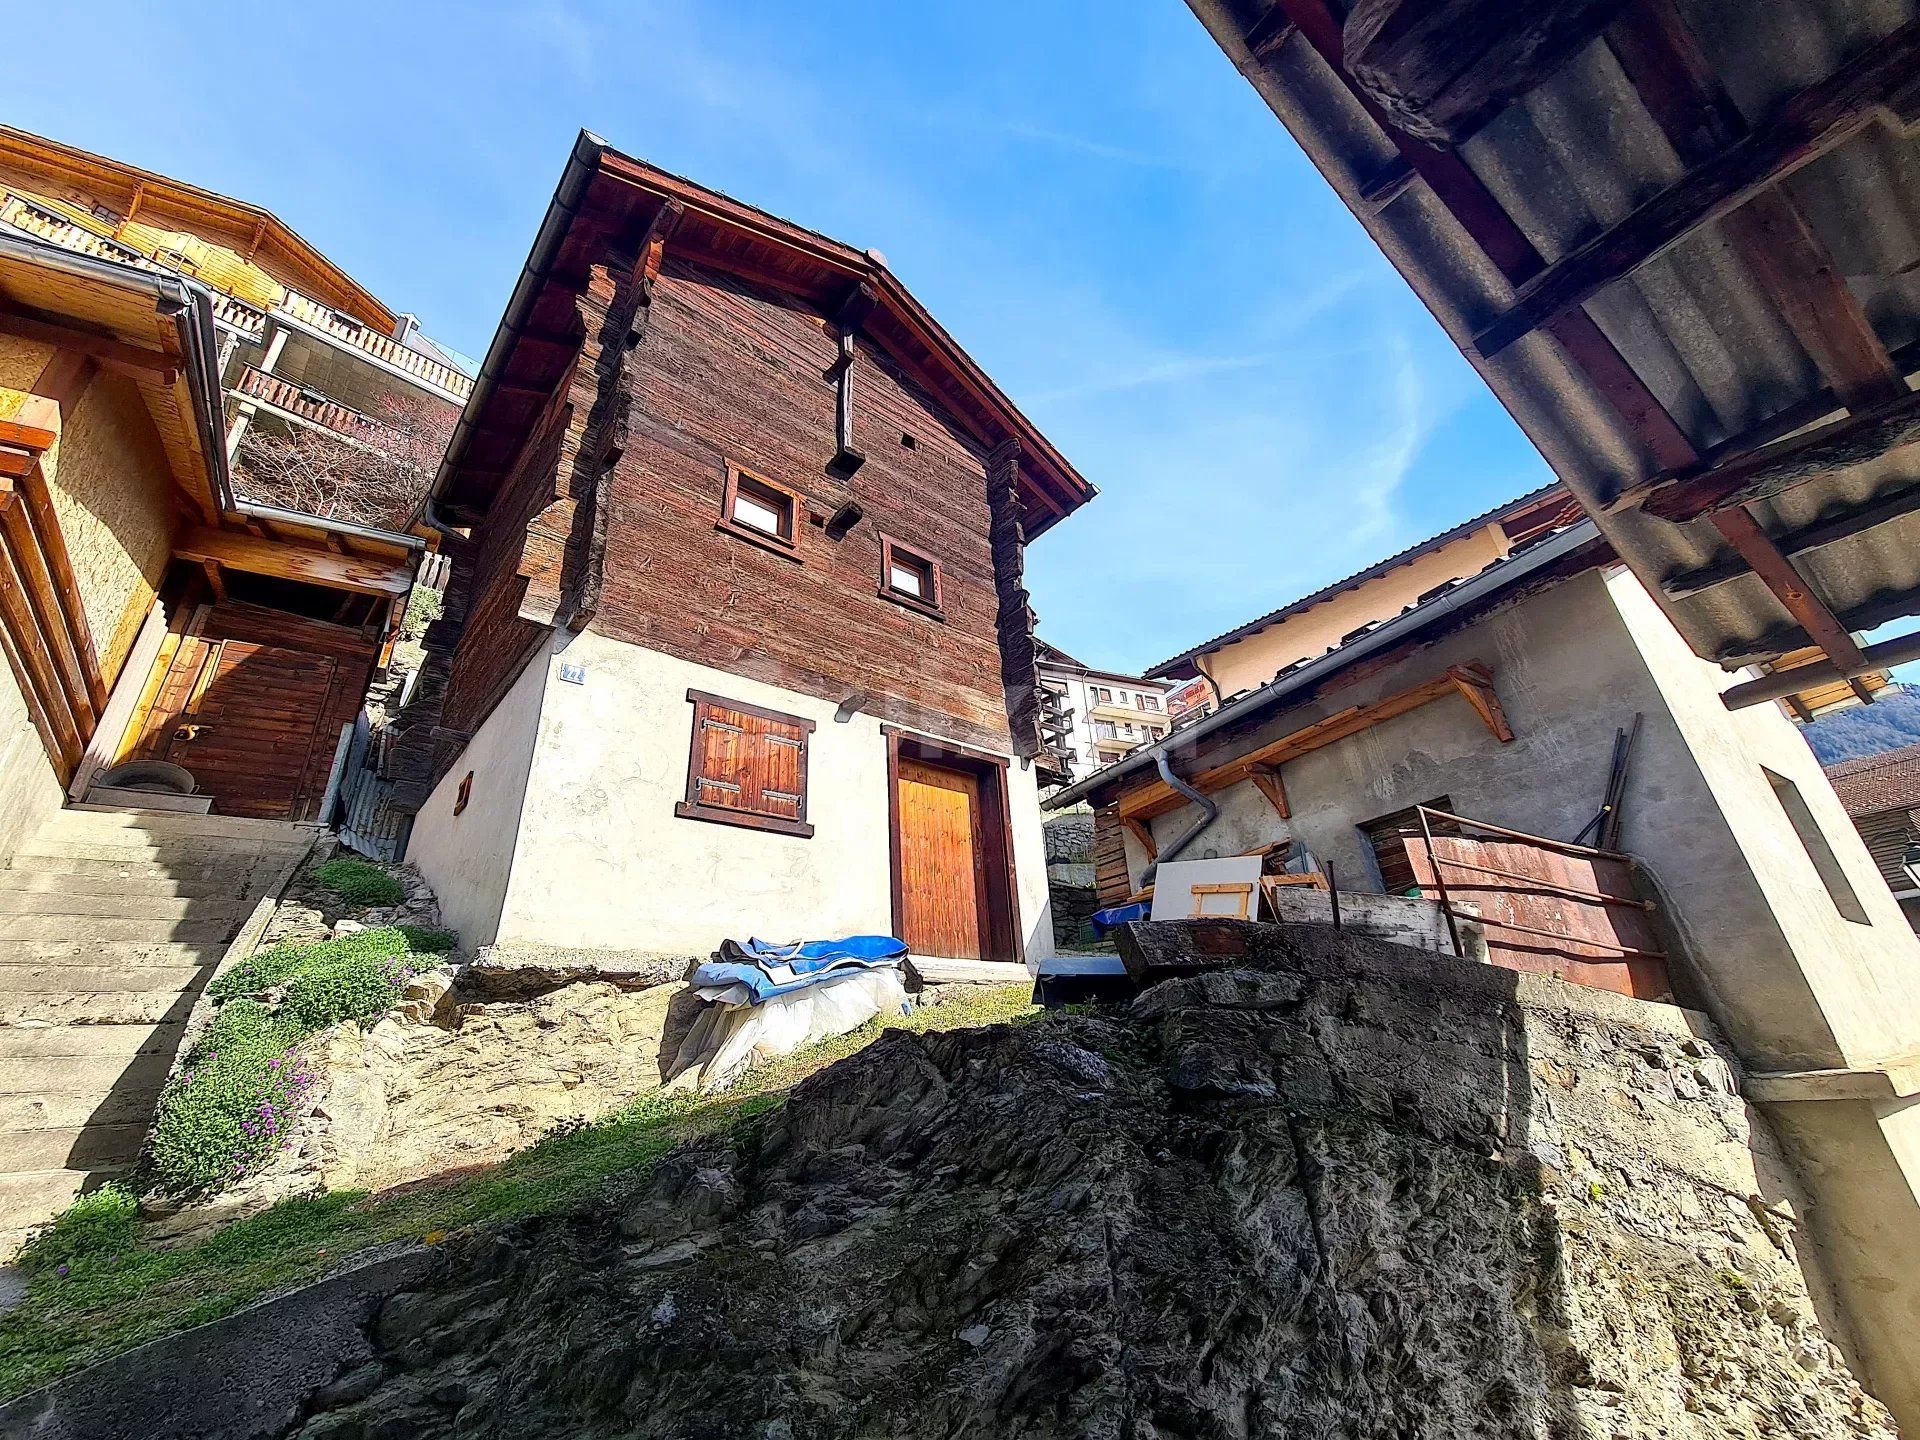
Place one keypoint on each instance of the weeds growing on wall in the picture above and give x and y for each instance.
(227, 1111)
(358, 883)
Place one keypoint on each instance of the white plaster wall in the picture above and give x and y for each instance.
(469, 858)
(1864, 978)
(603, 863)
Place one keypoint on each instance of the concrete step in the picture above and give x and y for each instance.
(82, 1075)
(137, 849)
(107, 1007)
(79, 1147)
(60, 980)
(123, 907)
(102, 819)
(218, 883)
(99, 927)
(131, 1105)
(100, 954)
(19, 1042)
(33, 1197)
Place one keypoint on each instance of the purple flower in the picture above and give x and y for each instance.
(62, 1270)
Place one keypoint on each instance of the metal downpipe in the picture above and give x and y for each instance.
(1210, 808)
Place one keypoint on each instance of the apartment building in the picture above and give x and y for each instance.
(1098, 716)
(301, 345)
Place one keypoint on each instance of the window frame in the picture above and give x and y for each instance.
(692, 807)
(785, 544)
(934, 605)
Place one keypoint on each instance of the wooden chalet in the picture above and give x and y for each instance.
(736, 637)
(144, 612)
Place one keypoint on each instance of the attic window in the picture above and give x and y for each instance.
(756, 509)
(909, 578)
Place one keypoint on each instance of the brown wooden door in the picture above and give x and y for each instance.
(245, 720)
(942, 864)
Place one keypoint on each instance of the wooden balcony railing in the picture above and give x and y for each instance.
(313, 407)
(249, 320)
(383, 347)
(57, 229)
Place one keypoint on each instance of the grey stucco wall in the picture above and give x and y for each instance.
(1572, 664)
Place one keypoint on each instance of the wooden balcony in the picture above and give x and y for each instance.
(298, 403)
(350, 332)
(249, 320)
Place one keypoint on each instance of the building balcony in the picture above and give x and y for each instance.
(249, 321)
(299, 405)
(1114, 710)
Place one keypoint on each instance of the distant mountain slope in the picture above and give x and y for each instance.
(1891, 721)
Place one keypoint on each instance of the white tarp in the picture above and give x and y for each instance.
(727, 1038)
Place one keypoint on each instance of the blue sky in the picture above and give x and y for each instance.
(1087, 195)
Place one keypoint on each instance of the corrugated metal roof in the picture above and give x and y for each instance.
(1579, 153)
(1298, 678)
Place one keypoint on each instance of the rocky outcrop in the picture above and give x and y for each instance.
(1331, 1187)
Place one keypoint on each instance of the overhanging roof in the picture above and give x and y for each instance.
(1578, 543)
(1874, 783)
(1666, 245)
(155, 328)
(1179, 666)
(607, 200)
(246, 228)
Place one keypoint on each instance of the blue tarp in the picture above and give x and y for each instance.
(1105, 920)
(765, 970)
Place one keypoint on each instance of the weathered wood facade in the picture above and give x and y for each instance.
(739, 464)
(681, 337)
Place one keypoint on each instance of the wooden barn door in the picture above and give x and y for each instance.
(244, 718)
(942, 861)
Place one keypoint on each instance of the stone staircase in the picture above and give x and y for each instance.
(111, 922)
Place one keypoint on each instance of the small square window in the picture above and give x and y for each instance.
(757, 509)
(909, 578)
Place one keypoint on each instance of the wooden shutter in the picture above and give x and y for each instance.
(747, 766)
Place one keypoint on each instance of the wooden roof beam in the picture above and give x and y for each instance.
(1773, 469)
(1807, 126)
(98, 347)
(1789, 587)
(1675, 81)
(312, 565)
(1837, 526)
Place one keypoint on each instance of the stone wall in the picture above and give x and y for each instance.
(1329, 1186)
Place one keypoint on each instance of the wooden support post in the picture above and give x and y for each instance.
(216, 582)
(1140, 832)
(1266, 779)
(1475, 684)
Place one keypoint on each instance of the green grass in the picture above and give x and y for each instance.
(95, 1288)
(359, 883)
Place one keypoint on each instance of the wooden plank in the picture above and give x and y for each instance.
(27, 436)
(30, 564)
(1789, 587)
(1676, 82)
(1774, 469)
(1804, 128)
(1157, 797)
(1836, 526)
(29, 643)
(1475, 683)
(98, 347)
(316, 565)
(36, 495)
(1442, 68)
(1266, 779)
